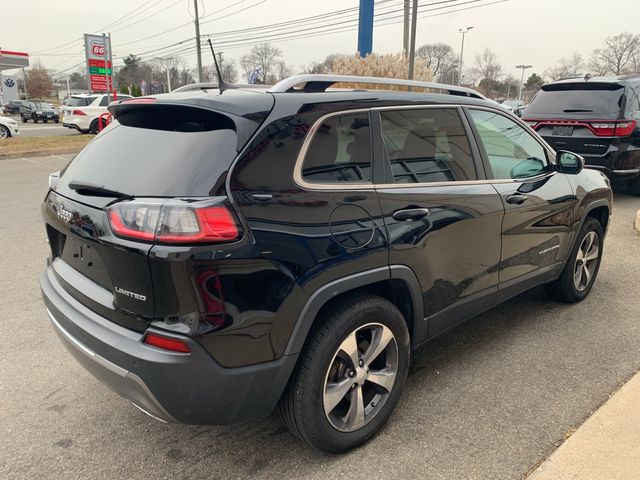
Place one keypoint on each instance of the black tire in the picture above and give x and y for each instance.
(564, 288)
(633, 186)
(302, 404)
(46, 121)
(24, 120)
(93, 128)
(4, 132)
(57, 120)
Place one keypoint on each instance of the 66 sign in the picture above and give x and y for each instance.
(97, 48)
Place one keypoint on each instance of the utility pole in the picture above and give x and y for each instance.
(523, 67)
(412, 46)
(198, 53)
(405, 29)
(463, 32)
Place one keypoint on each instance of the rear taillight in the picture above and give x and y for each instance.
(78, 112)
(613, 129)
(166, 343)
(604, 128)
(173, 223)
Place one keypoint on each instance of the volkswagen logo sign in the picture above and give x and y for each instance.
(9, 83)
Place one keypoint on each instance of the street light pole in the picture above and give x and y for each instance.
(412, 43)
(463, 32)
(523, 67)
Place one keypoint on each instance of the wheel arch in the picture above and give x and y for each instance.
(600, 210)
(397, 284)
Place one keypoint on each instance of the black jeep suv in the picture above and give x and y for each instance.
(37, 110)
(596, 117)
(215, 255)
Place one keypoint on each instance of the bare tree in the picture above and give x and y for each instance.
(566, 67)
(618, 55)
(490, 69)
(262, 58)
(39, 81)
(439, 57)
(227, 69)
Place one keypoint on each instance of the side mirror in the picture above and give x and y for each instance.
(569, 162)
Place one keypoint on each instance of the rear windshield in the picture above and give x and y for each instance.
(79, 101)
(150, 152)
(598, 98)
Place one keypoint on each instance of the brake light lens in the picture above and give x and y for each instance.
(78, 113)
(166, 343)
(613, 128)
(173, 223)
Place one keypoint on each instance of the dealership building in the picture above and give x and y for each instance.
(10, 62)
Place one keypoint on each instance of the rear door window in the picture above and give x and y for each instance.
(427, 145)
(340, 151)
(587, 98)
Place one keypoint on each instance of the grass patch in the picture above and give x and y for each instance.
(15, 145)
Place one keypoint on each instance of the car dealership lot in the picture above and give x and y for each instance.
(488, 400)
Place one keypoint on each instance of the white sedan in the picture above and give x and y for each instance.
(8, 127)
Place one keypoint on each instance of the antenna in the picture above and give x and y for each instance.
(222, 85)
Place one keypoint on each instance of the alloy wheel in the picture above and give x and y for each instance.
(586, 261)
(4, 133)
(360, 377)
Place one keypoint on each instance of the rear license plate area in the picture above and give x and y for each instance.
(562, 131)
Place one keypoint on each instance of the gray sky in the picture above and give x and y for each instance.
(536, 32)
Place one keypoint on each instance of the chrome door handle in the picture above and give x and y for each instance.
(410, 214)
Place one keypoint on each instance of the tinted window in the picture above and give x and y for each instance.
(340, 151)
(599, 98)
(512, 150)
(79, 101)
(427, 145)
(158, 152)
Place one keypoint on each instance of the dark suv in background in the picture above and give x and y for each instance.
(596, 117)
(37, 110)
(215, 254)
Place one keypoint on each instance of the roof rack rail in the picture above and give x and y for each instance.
(319, 83)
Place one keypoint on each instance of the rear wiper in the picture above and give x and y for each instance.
(96, 190)
(576, 110)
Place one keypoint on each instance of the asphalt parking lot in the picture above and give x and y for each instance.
(41, 129)
(490, 400)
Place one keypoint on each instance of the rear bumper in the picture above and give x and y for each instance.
(172, 387)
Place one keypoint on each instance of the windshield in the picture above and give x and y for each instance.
(42, 105)
(183, 153)
(598, 98)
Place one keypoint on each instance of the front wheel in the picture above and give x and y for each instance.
(4, 132)
(350, 375)
(580, 272)
(633, 186)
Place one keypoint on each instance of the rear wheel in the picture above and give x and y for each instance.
(350, 376)
(24, 119)
(4, 132)
(580, 272)
(93, 128)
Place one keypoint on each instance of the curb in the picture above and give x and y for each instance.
(38, 153)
